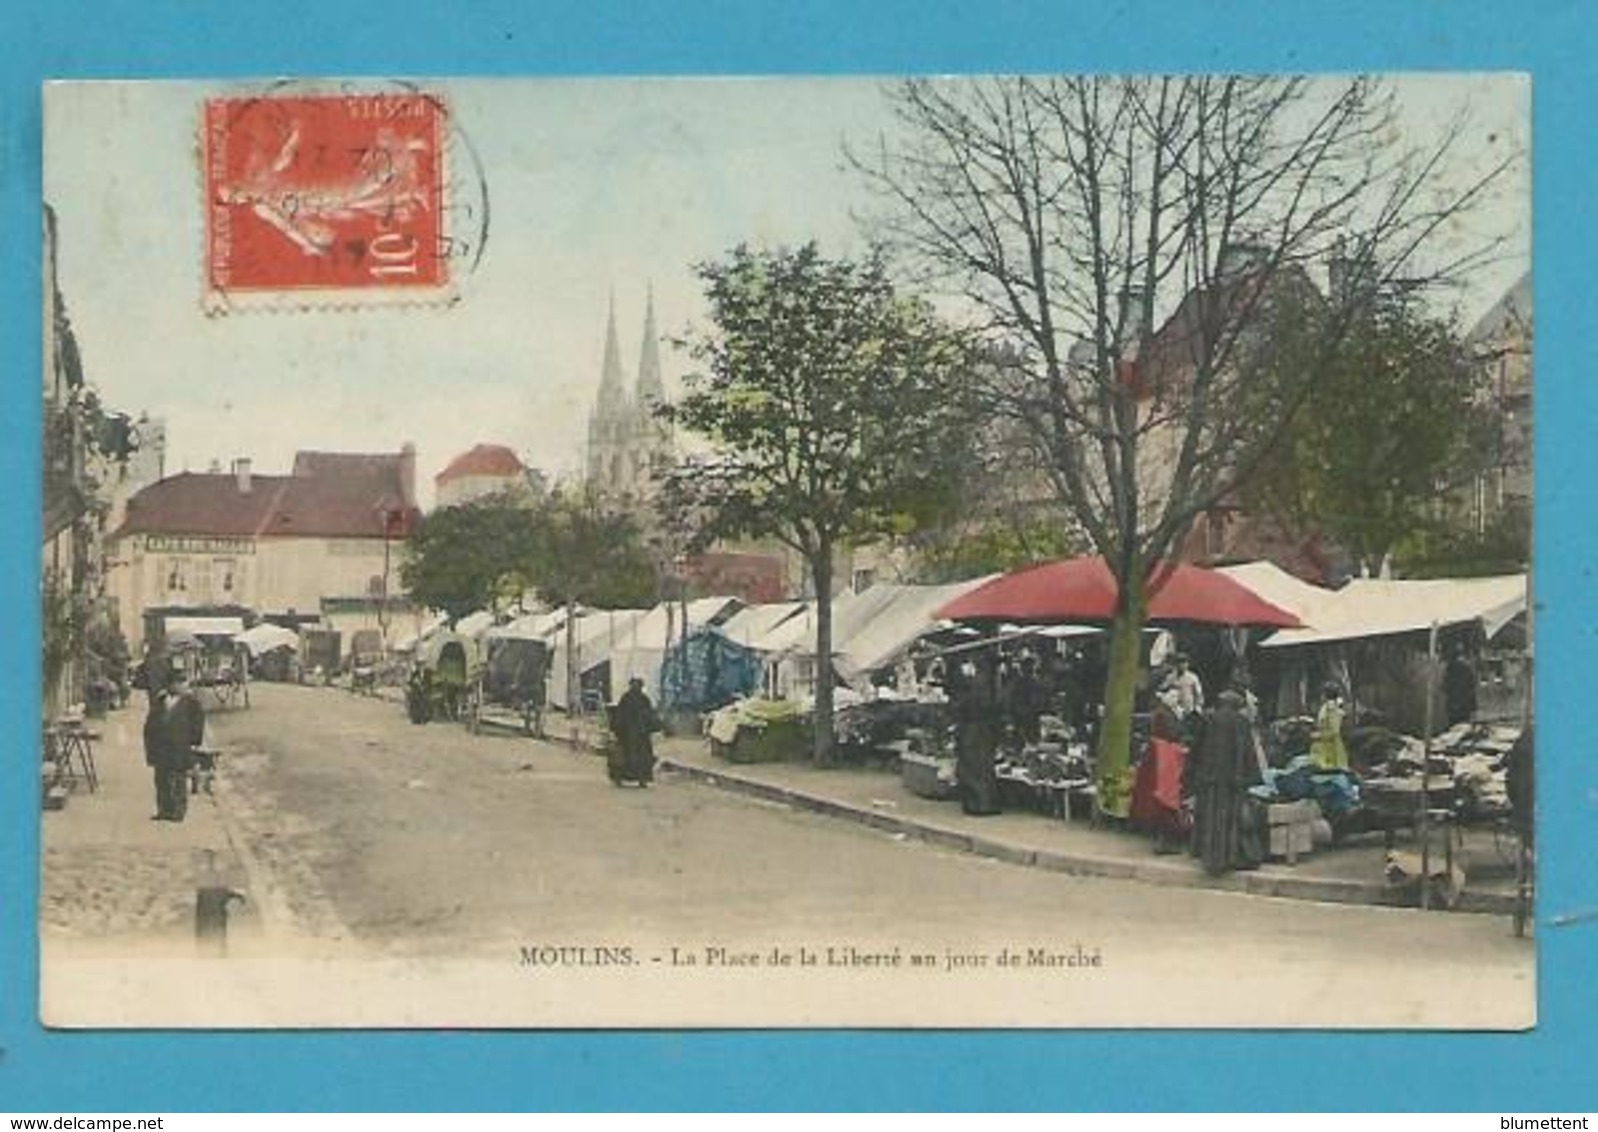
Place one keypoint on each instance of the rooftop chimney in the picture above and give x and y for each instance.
(241, 472)
(1135, 317)
(407, 474)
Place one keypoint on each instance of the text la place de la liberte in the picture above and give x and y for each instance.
(835, 956)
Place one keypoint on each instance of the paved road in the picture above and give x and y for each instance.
(407, 842)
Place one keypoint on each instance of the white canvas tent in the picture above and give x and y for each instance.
(790, 634)
(901, 615)
(531, 626)
(265, 637)
(597, 634)
(1275, 585)
(643, 650)
(205, 626)
(410, 643)
(871, 629)
(791, 646)
(1371, 607)
(754, 623)
(474, 625)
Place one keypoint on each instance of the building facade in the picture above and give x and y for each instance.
(484, 470)
(1502, 341)
(327, 535)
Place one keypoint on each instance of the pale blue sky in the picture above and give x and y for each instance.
(595, 185)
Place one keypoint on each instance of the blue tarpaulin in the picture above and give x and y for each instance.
(706, 671)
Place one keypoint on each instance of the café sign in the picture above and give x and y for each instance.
(197, 544)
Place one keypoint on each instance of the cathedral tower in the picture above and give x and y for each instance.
(625, 441)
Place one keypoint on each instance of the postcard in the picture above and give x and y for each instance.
(977, 552)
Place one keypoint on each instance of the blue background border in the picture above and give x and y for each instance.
(1554, 1068)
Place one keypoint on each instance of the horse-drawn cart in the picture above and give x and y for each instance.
(215, 664)
(511, 685)
(442, 675)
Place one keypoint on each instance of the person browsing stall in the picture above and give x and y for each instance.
(1327, 749)
(1185, 689)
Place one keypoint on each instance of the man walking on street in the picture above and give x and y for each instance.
(179, 729)
(154, 738)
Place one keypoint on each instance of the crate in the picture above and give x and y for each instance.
(1292, 829)
(927, 776)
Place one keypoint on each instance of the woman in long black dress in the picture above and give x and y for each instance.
(633, 721)
(1225, 833)
(976, 710)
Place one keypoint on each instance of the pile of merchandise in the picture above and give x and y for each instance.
(760, 731)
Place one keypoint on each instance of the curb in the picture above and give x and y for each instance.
(1318, 889)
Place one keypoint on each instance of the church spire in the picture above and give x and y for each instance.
(612, 393)
(650, 387)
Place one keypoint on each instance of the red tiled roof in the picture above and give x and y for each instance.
(329, 495)
(195, 503)
(482, 460)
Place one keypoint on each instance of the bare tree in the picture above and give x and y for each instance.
(1067, 213)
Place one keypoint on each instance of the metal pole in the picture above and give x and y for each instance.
(574, 699)
(1425, 774)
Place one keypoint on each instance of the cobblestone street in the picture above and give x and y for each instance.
(111, 876)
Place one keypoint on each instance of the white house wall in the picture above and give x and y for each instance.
(268, 575)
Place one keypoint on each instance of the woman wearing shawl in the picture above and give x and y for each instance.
(1225, 827)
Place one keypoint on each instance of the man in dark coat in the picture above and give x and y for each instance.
(632, 722)
(178, 730)
(1520, 785)
(1225, 827)
(1029, 700)
(154, 737)
(1459, 689)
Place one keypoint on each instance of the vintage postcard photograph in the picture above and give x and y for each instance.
(947, 552)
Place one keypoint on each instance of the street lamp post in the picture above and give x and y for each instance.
(391, 518)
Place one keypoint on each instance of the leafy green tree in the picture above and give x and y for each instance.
(1460, 551)
(588, 553)
(459, 556)
(993, 548)
(1392, 427)
(567, 546)
(830, 402)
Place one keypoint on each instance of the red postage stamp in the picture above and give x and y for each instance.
(325, 193)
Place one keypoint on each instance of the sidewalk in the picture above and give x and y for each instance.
(1349, 874)
(111, 875)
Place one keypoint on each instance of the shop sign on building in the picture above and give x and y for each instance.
(198, 544)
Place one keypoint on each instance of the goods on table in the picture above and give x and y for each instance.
(760, 731)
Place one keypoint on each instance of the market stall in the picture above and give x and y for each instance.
(207, 651)
(273, 651)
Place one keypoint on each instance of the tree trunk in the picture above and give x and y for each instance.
(821, 574)
(1120, 691)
